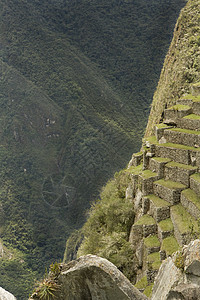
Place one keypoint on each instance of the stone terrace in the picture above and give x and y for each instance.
(166, 188)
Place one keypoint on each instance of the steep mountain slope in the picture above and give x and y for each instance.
(182, 64)
(159, 182)
(72, 112)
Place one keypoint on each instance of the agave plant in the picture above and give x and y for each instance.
(47, 289)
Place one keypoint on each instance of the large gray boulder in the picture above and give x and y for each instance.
(94, 278)
(4, 295)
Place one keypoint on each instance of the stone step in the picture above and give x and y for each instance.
(165, 229)
(182, 136)
(185, 226)
(157, 164)
(148, 225)
(176, 111)
(159, 130)
(191, 122)
(195, 183)
(158, 208)
(168, 190)
(178, 153)
(191, 201)
(170, 245)
(192, 101)
(152, 244)
(145, 181)
(179, 172)
(136, 160)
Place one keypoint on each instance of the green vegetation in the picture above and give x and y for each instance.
(170, 245)
(170, 184)
(142, 283)
(179, 260)
(196, 177)
(151, 241)
(148, 290)
(191, 97)
(181, 66)
(158, 202)
(185, 222)
(188, 131)
(192, 196)
(145, 220)
(77, 79)
(180, 107)
(148, 174)
(108, 226)
(182, 166)
(192, 117)
(166, 225)
(161, 159)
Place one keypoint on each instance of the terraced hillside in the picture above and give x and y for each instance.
(166, 189)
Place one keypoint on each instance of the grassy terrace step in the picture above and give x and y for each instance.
(185, 226)
(148, 225)
(145, 181)
(170, 245)
(176, 152)
(191, 201)
(179, 172)
(152, 244)
(177, 111)
(159, 130)
(193, 101)
(168, 190)
(182, 136)
(165, 228)
(195, 183)
(157, 164)
(154, 261)
(191, 121)
(159, 208)
(142, 283)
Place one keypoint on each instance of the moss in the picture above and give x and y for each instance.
(148, 290)
(142, 283)
(166, 225)
(192, 117)
(196, 176)
(179, 260)
(153, 257)
(188, 131)
(178, 165)
(170, 184)
(138, 153)
(148, 174)
(145, 220)
(152, 241)
(192, 196)
(158, 202)
(185, 222)
(179, 107)
(161, 159)
(156, 265)
(170, 245)
(161, 125)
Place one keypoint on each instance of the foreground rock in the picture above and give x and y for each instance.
(95, 278)
(4, 295)
(179, 277)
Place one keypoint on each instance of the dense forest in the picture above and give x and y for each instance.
(77, 79)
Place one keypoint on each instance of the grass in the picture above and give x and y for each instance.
(158, 202)
(179, 107)
(166, 225)
(188, 131)
(152, 241)
(153, 140)
(182, 166)
(192, 196)
(153, 257)
(161, 125)
(192, 117)
(148, 174)
(196, 177)
(170, 245)
(161, 159)
(148, 290)
(142, 283)
(145, 220)
(138, 153)
(170, 184)
(185, 222)
(191, 97)
(135, 170)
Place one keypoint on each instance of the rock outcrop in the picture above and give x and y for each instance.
(179, 277)
(95, 278)
(4, 295)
